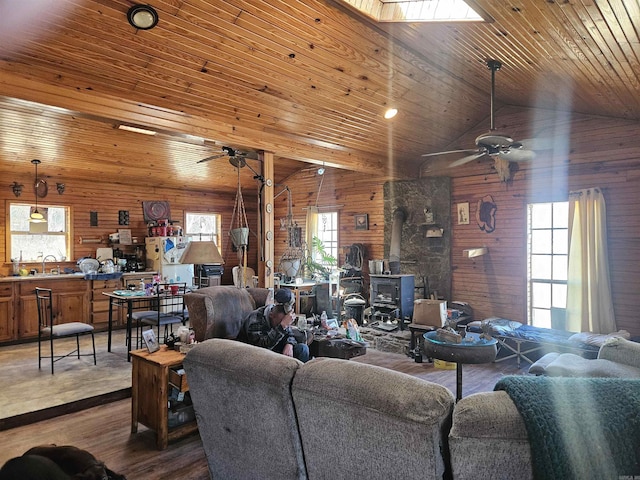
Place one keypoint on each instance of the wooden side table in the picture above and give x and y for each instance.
(152, 375)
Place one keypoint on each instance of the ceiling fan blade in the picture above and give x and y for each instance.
(518, 155)
(467, 159)
(212, 157)
(447, 152)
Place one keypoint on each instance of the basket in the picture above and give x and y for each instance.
(444, 365)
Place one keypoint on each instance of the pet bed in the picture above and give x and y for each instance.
(520, 341)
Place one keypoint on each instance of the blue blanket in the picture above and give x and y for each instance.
(579, 428)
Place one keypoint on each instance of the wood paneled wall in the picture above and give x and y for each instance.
(107, 199)
(585, 151)
(580, 151)
(349, 193)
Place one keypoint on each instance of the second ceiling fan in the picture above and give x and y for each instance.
(236, 157)
(492, 144)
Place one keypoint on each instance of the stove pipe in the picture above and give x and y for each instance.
(399, 217)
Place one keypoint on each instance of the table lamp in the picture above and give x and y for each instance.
(199, 253)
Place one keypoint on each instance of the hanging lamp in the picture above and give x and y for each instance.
(293, 257)
(36, 216)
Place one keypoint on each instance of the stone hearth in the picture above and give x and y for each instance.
(394, 342)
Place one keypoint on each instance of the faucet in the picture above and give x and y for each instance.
(44, 259)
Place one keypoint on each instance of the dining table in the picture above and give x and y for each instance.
(132, 300)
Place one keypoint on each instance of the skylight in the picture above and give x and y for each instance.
(419, 10)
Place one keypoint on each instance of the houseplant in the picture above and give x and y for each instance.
(319, 263)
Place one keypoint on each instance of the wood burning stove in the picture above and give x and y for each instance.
(391, 298)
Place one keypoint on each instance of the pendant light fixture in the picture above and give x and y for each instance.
(36, 216)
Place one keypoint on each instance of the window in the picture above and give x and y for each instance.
(203, 226)
(547, 249)
(327, 232)
(34, 241)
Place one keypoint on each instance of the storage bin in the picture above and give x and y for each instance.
(444, 365)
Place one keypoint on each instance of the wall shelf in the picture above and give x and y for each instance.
(475, 252)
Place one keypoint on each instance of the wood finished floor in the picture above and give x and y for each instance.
(105, 430)
(26, 389)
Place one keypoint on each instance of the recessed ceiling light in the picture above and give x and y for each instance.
(142, 17)
(390, 113)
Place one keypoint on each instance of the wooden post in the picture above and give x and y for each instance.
(266, 260)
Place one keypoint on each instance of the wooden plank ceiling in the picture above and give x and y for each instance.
(307, 80)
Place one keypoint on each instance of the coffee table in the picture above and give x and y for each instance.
(336, 348)
(472, 350)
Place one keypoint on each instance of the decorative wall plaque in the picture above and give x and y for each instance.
(156, 210)
(486, 214)
(123, 217)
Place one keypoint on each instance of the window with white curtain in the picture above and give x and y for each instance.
(547, 249)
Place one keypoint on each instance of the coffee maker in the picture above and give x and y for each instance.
(132, 262)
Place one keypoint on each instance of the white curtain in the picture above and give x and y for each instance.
(589, 303)
(311, 227)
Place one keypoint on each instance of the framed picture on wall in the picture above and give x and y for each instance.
(463, 213)
(362, 221)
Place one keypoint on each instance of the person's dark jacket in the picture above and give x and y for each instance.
(257, 330)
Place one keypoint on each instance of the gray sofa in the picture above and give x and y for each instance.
(218, 312)
(268, 416)
(489, 425)
(617, 358)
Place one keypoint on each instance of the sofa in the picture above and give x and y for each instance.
(490, 425)
(617, 357)
(219, 311)
(268, 416)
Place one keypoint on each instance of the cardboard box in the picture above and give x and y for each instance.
(430, 312)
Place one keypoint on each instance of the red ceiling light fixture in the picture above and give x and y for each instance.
(142, 17)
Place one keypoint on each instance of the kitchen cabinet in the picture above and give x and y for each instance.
(70, 303)
(7, 325)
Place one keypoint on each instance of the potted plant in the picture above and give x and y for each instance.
(320, 263)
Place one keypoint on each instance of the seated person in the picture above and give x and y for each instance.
(270, 327)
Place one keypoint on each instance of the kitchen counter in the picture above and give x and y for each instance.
(67, 276)
(39, 276)
(75, 298)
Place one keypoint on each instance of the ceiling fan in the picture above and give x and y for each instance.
(236, 157)
(498, 146)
